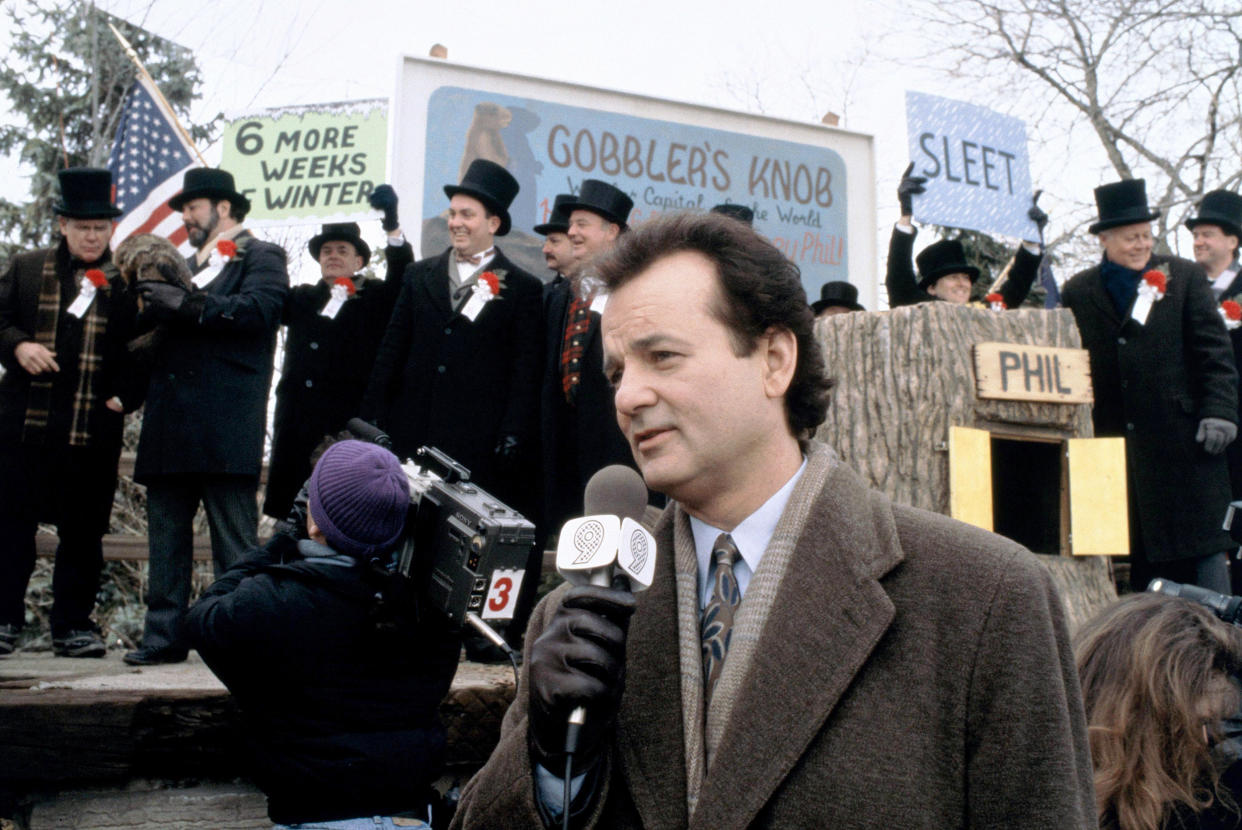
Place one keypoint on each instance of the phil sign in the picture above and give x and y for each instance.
(307, 165)
(799, 179)
(975, 163)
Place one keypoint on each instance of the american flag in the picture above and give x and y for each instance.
(149, 159)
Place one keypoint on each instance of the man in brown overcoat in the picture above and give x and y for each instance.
(809, 654)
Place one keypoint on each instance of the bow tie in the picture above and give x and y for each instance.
(474, 260)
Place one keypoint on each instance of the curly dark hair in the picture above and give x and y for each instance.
(759, 289)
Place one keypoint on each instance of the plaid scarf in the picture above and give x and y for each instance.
(578, 321)
(94, 327)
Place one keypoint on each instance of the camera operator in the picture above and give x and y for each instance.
(1159, 683)
(337, 671)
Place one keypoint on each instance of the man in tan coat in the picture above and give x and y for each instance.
(809, 654)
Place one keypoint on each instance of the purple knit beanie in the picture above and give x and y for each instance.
(359, 496)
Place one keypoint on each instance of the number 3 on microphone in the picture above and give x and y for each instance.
(502, 594)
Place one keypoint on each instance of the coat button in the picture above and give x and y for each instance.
(309, 384)
(441, 369)
(1121, 340)
(1130, 427)
(314, 345)
(1124, 384)
(448, 330)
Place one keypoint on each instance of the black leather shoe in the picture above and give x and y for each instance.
(155, 656)
(84, 643)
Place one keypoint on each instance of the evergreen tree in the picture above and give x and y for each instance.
(65, 78)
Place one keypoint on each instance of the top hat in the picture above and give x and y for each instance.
(603, 199)
(492, 185)
(837, 293)
(558, 222)
(941, 259)
(209, 183)
(1220, 207)
(86, 193)
(742, 214)
(340, 232)
(1122, 203)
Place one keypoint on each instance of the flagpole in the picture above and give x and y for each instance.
(160, 99)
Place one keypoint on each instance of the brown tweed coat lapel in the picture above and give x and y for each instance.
(650, 736)
(825, 620)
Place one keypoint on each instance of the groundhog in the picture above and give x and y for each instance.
(483, 139)
(147, 257)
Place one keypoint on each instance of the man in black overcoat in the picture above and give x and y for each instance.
(1217, 231)
(458, 366)
(1164, 379)
(558, 251)
(333, 331)
(206, 412)
(579, 420)
(67, 381)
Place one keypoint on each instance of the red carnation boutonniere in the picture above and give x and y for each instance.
(97, 278)
(346, 284)
(1231, 313)
(227, 249)
(492, 282)
(995, 301)
(1155, 283)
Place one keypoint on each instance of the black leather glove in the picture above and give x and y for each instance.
(385, 198)
(579, 660)
(294, 524)
(909, 187)
(1215, 434)
(162, 298)
(1037, 215)
(508, 448)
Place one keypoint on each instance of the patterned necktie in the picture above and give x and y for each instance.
(577, 323)
(718, 615)
(473, 260)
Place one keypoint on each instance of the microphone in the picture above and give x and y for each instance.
(609, 534)
(607, 544)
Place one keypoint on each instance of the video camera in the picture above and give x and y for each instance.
(467, 547)
(1227, 608)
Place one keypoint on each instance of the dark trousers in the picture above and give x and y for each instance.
(71, 488)
(232, 517)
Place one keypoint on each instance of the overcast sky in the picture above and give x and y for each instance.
(794, 59)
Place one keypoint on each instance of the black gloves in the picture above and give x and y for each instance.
(1038, 216)
(385, 198)
(162, 298)
(578, 661)
(294, 524)
(910, 187)
(508, 448)
(1215, 434)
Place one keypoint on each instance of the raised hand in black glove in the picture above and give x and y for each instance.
(162, 299)
(909, 187)
(1037, 215)
(385, 198)
(579, 660)
(1215, 434)
(294, 524)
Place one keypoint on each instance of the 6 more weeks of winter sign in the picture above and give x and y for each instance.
(309, 164)
(976, 165)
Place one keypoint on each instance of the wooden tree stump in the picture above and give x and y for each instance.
(904, 377)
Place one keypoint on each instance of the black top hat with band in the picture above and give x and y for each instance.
(739, 212)
(209, 183)
(558, 222)
(603, 199)
(86, 193)
(1122, 203)
(837, 293)
(1220, 207)
(941, 259)
(340, 232)
(492, 185)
